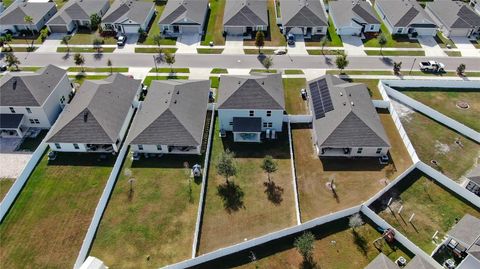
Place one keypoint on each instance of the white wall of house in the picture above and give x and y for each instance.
(371, 28)
(163, 149)
(68, 147)
(240, 30)
(181, 29)
(226, 117)
(354, 152)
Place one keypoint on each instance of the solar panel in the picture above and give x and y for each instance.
(321, 99)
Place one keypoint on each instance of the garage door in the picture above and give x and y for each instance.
(349, 31)
(234, 30)
(58, 28)
(131, 28)
(460, 32)
(190, 29)
(426, 31)
(295, 31)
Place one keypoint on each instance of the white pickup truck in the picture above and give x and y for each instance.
(432, 66)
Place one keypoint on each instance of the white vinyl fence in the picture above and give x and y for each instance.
(17, 186)
(294, 175)
(298, 118)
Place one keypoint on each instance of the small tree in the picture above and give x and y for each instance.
(170, 60)
(382, 41)
(5, 40)
(66, 41)
(323, 42)
(157, 39)
(259, 40)
(461, 69)
(267, 62)
(341, 61)
(29, 21)
(304, 245)
(225, 165)
(79, 60)
(397, 66)
(95, 21)
(355, 221)
(269, 165)
(11, 60)
(44, 34)
(109, 64)
(97, 44)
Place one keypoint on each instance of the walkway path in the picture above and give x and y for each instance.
(430, 46)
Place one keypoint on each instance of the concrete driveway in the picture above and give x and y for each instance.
(353, 45)
(187, 43)
(299, 48)
(430, 46)
(51, 43)
(233, 45)
(466, 47)
(130, 44)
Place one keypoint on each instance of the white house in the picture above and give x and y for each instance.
(171, 120)
(353, 17)
(405, 17)
(251, 107)
(76, 13)
(455, 18)
(245, 17)
(345, 121)
(183, 16)
(98, 117)
(13, 18)
(32, 100)
(128, 16)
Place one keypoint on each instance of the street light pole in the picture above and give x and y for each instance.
(156, 68)
(414, 60)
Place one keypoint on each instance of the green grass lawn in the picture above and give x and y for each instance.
(262, 51)
(445, 101)
(273, 37)
(5, 184)
(214, 31)
(47, 224)
(293, 72)
(170, 70)
(209, 51)
(27, 69)
(155, 50)
(272, 71)
(476, 44)
(444, 41)
(435, 209)
(453, 53)
(214, 82)
(433, 141)
(83, 50)
(99, 69)
(359, 72)
(294, 104)
(156, 220)
(148, 80)
(86, 38)
(395, 53)
(80, 78)
(155, 30)
(324, 52)
(219, 71)
(258, 211)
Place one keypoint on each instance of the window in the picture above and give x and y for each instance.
(379, 150)
(359, 150)
(76, 146)
(252, 113)
(269, 113)
(165, 27)
(399, 30)
(140, 147)
(12, 109)
(230, 123)
(57, 146)
(31, 121)
(118, 141)
(372, 27)
(265, 125)
(28, 110)
(260, 28)
(37, 121)
(269, 125)
(159, 147)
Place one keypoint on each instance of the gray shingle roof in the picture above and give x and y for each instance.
(454, 14)
(97, 112)
(381, 262)
(403, 13)
(348, 12)
(17, 11)
(173, 114)
(419, 263)
(78, 10)
(474, 175)
(29, 89)
(466, 231)
(302, 13)
(184, 12)
(353, 122)
(474, 250)
(245, 13)
(256, 91)
(122, 10)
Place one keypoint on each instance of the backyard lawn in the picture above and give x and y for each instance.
(293, 100)
(445, 101)
(214, 31)
(435, 209)
(264, 206)
(273, 37)
(336, 247)
(5, 184)
(350, 175)
(47, 224)
(433, 141)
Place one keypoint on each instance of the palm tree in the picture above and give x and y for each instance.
(29, 20)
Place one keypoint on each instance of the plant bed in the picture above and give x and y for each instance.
(294, 104)
(273, 37)
(453, 53)
(209, 51)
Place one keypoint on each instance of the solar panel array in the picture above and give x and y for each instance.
(321, 99)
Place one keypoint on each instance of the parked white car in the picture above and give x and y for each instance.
(432, 66)
(280, 52)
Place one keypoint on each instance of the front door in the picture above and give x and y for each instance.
(176, 29)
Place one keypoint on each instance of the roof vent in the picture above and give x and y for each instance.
(344, 103)
(239, 82)
(351, 103)
(178, 91)
(14, 84)
(174, 101)
(85, 116)
(341, 93)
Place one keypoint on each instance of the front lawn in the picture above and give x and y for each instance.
(5, 184)
(333, 40)
(87, 37)
(350, 175)
(324, 52)
(46, 226)
(273, 37)
(250, 205)
(393, 41)
(80, 78)
(293, 99)
(155, 30)
(155, 50)
(435, 208)
(395, 53)
(84, 50)
(214, 27)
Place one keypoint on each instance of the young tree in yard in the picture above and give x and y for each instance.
(397, 66)
(259, 40)
(66, 40)
(304, 245)
(323, 42)
(109, 64)
(95, 21)
(5, 40)
(341, 61)
(170, 60)
(269, 165)
(79, 60)
(29, 21)
(267, 62)
(11, 60)
(226, 166)
(382, 41)
(461, 69)
(355, 221)
(44, 34)
(97, 44)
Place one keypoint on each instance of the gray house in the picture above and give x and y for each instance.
(172, 118)
(455, 18)
(381, 262)
(76, 13)
(353, 17)
(12, 18)
(98, 117)
(183, 16)
(128, 16)
(345, 121)
(405, 17)
(464, 240)
(303, 17)
(245, 16)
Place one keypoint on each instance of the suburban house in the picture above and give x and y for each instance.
(383, 262)
(251, 107)
(454, 18)
(464, 240)
(353, 17)
(76, 13)
(245, 17)
(98, 117)
(128, 16)
(405, 17)
(172, 118)
(183, 16)
(303, 17)
(473, 177)
(32, 100)
(13, 18)
(345, 121)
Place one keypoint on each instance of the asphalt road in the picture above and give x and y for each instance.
(242, 61)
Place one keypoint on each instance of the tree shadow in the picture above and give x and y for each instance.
(361, 243)
(232, 196)
(98, 56)
(387, 61)
(66, 56)
(274, 192)
(309, 263)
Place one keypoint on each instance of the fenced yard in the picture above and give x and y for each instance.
(293, 100)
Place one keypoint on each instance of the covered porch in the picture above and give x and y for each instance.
(247, 129)
(11, 125)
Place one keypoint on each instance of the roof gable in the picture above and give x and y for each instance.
(17, 11)
(303, 13)
(184, 11)
(245, 13)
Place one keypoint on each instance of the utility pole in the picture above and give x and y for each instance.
(156, 68)
(414, 60)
